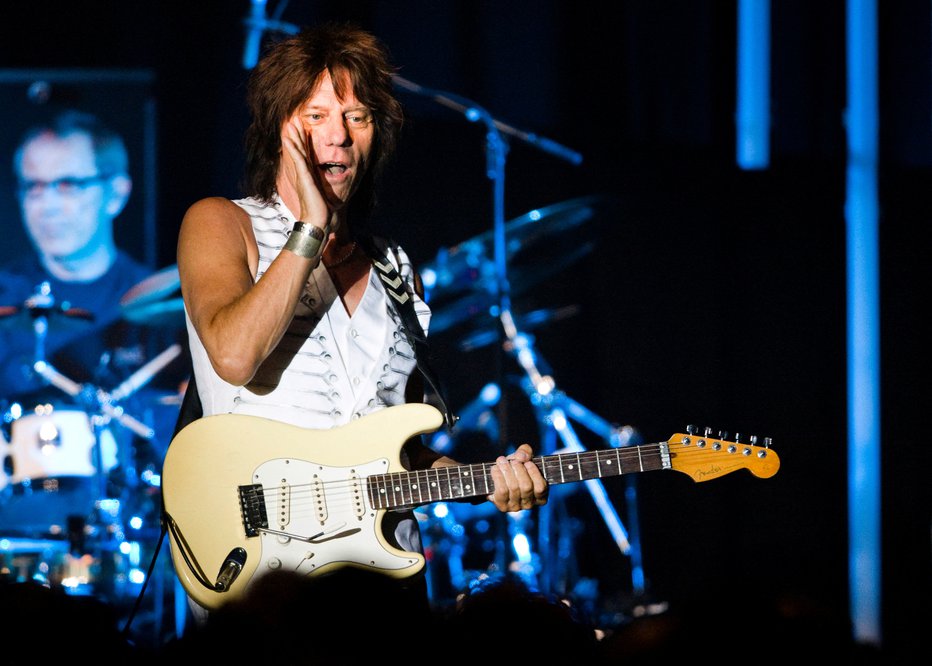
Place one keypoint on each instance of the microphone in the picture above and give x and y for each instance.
(255, 27)
(232, 566)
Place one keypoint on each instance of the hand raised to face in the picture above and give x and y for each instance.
(300, 173)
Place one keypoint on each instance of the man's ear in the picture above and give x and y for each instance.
(120, 187)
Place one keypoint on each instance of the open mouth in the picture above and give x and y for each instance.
(333, 168)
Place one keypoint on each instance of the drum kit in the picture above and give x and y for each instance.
(79, 482)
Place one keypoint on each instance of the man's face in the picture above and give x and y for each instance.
(68, 206)
(341, 134)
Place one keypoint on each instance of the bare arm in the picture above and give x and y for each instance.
(239, 320)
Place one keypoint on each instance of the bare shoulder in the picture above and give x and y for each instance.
(218, 224)
(214, 210)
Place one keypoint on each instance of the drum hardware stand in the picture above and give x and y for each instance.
(104, 407)
(554, 411)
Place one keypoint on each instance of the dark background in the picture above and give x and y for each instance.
(713, 296)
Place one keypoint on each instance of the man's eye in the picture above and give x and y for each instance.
(358, 119)
(68, 185)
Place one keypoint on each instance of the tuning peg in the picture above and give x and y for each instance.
(708, 431)
(767, 442)
(723, 434)
(737, 437)
(753, 440)
(691, 429)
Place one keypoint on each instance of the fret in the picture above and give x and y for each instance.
(577, 466)
(457, 488)
(447, 492)
(403, 483)
(411, 480)
(619, 465)
(435, 490)
(487, 478)
(467, 478)
(426, 482)
(588, 465)
(375, 491)
(395, 490)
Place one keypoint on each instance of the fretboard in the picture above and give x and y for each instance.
(409, 489)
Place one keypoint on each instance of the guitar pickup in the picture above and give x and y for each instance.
(320, 499)
(357, 489)
(252, 508)
(284, 504)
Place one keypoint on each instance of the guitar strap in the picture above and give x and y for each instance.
(191, 408)
(403, 304)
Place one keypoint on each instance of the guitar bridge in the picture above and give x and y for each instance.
(252, 508)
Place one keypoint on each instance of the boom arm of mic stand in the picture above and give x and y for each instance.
(472, 112)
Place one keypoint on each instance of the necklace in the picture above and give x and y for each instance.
(344, 258)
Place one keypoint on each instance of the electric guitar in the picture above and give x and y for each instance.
(245, 495)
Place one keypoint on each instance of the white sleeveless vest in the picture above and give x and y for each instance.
(329, 367)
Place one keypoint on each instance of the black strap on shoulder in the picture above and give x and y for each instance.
(191, 408)
(403, 302)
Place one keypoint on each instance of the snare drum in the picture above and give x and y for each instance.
(51, 441)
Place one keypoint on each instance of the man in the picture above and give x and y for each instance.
(296, 311)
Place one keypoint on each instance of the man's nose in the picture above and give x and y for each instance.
(337, 131)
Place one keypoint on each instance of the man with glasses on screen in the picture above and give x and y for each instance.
(72, 179)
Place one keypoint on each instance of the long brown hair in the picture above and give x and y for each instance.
(287, 75)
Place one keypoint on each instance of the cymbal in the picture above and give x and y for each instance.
(483, 303)
(156, 287)
(169, 312)
(471, 263)
(154, 301)
(61, 317)
(487, 335)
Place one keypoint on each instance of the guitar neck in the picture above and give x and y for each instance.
(410, 489)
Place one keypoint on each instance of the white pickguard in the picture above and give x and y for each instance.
(326, 516)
